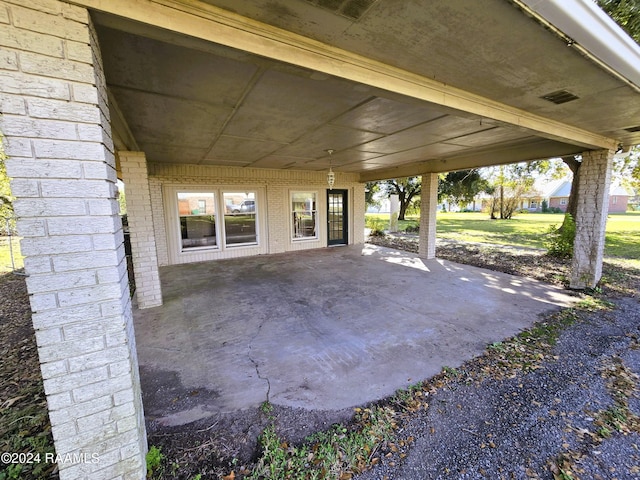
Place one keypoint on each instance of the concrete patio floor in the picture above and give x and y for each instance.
(321, 330)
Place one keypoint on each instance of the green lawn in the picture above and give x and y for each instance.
(528, 230)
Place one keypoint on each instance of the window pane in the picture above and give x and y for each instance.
(240, 218)
(197, 219)
(303, 206)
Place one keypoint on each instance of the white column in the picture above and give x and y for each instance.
(141, 231)
(394, 212)
(55, 119)
(594, 179)
(428, 210)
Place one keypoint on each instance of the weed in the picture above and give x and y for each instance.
(339, 451)
(450, 371)
(13, 471)
(559, 242)
(561, 468)
(154, 460)
(497, 346)
(266, 407)
(604, 432)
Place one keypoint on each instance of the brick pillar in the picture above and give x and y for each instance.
(142, 233)
(55, 119)
(593, 182)
(428, 210)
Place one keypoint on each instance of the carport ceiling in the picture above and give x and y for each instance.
(186, 100)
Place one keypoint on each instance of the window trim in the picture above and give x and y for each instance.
(256, 211)
(177, 255)
(290, 213)
(181, 249)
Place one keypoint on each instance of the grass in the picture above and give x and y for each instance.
(337, 453)
(5, 254)
(527, 230)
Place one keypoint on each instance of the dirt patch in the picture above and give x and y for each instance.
(24, 420)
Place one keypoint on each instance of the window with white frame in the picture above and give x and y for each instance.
(197, 214)
(204, 225)
(240, 218)
(563, 201)
(304, 215)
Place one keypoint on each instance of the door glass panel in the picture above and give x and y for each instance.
(337, 217)
(336, 223)
(197, 219)
(240, 218)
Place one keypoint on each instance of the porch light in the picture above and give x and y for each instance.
(331, 177)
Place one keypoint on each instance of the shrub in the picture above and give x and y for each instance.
(545, 206)
(376, 225)
(560, 240)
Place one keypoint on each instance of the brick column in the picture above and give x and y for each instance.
(142, 233)
(593, 182)
(428, 210)
(55, 119)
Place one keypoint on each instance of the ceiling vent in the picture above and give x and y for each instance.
(353, 9)
(561, 96)
(633, 129)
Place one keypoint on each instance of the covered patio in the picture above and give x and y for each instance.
(225, 119)
(321, 329)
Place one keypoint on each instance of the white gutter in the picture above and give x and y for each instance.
(589, 29)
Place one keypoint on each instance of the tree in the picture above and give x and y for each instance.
(406, 189)
(508, 184)
(625, 13)
(370, 190)
(461, 187)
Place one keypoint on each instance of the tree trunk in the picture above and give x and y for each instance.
(403, 210)
(572, 203)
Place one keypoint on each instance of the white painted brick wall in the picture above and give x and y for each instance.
(593, 182)
(429, 206)
(142, 233)
(54, 117)
(276, 185)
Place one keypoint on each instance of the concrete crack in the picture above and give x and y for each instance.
(256, 364)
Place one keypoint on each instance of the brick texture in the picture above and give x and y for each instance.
(273, 187)
(142, 233)
(61, 161)
(429, 206)
(593, 182)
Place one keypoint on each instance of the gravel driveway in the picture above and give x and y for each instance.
(558, 421)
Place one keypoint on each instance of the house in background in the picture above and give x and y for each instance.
(557, 196)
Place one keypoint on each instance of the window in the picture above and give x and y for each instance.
(204, 224)
(563, 201)
(197, 219)
(304, 215)
(240, 218)
(533, 204)
(614, 200)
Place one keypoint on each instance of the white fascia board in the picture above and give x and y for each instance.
(584, 22)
